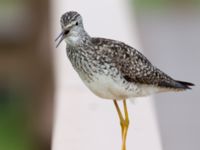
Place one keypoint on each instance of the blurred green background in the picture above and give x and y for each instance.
(148, 4)
(26, 76)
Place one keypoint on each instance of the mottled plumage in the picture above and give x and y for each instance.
(134, 66)
(112, 69)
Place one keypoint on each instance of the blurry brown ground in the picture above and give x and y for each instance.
(26, 75)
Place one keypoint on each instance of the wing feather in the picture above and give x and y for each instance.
(133, 65)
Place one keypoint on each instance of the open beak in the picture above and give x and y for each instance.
(61, 37)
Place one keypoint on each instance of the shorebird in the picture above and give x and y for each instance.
(112, 69)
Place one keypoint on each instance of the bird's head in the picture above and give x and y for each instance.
(71, 24)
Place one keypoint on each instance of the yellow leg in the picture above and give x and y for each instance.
(123, 122)
(126, 125)
(120, 117)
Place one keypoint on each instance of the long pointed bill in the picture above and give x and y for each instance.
(61, 37)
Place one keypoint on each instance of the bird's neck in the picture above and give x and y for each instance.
(77, 38)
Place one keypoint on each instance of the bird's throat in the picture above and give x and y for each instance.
(76, 38)
(73, 40)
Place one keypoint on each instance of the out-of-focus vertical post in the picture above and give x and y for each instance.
(26, 77)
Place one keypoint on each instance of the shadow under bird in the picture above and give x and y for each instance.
(111, 69)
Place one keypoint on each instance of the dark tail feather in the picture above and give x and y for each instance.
(183, 85)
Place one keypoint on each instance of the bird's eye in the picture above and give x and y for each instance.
(76, 23)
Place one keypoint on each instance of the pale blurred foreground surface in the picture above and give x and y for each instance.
(84, 121)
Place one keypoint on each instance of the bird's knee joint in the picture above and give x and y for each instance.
(127, 122)
(124, 123)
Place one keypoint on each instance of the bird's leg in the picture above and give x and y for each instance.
(126, 125)
(123, 122)
(120, 117)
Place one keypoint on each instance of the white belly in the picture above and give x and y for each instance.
(107, 88)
